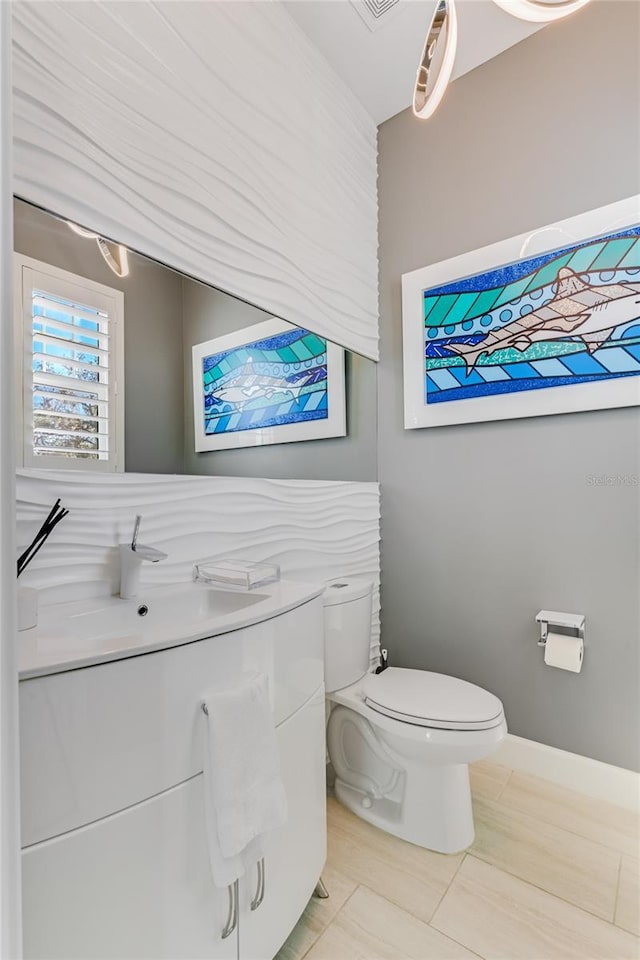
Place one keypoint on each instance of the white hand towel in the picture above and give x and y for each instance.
(244, 792)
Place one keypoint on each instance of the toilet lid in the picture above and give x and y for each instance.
(432, 700)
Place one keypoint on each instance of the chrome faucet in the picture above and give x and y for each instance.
(131, 558)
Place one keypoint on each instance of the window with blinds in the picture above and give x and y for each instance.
(72, 369)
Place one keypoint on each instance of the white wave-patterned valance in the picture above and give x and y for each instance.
(211, 136)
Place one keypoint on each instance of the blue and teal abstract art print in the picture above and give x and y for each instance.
(568, 316)
(272, 382)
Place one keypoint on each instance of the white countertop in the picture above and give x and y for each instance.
(81, 633)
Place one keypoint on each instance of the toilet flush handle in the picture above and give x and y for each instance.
(384, 661)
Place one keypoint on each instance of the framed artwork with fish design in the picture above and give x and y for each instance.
(269, 383)
(543, 323)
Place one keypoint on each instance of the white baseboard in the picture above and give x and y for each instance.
(591, 777)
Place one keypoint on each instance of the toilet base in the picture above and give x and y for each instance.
(410, 780)
(433, 811)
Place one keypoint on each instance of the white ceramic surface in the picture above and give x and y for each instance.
(432, 700)
(347, 643)
(399, 770)
(86, 632)
(407, 779)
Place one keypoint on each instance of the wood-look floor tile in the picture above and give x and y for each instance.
(488, 779)
(317, 916)
(371, 928)
(612, 826)
(569, 866)
(408, 875)
(502, 918)
(628, 904)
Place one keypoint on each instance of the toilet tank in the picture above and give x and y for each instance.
(347, 631)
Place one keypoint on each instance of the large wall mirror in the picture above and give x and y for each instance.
(211, 384)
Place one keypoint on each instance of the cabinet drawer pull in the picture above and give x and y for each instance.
(259, 897)
(232, 919)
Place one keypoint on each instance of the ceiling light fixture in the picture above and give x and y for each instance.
(540, 11)
(121, 268)
(439, 52)
(436, 62)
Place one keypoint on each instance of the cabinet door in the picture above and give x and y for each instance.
(296, 853)
(133, 885)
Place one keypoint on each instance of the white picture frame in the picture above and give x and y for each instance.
(606, 391)
(251, 389)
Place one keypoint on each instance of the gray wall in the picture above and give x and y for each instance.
(153, 335)
(485, 524)
(209, 313)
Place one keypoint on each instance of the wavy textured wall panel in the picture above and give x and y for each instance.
(315, 530)
(211, 136)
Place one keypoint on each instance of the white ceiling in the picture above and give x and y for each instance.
(380, 66)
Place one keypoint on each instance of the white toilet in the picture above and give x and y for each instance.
(400, 741)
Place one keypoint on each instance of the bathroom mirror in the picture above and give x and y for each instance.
(165, 314)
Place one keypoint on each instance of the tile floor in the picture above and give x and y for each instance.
(552, 874)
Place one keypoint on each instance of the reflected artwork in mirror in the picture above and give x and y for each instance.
(206, 383)
(270, 383)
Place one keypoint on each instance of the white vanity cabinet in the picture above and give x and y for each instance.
(135, 884)
(115, 858)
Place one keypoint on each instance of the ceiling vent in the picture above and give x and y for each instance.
(376, 13)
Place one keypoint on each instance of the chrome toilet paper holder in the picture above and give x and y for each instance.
(552, 618)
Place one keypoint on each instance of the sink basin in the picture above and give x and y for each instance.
(81, 633)
(180, 606)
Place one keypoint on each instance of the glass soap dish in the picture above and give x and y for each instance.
(239, 574)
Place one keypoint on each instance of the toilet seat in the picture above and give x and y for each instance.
(434, 700)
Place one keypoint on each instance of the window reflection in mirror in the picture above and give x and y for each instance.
(240, 387)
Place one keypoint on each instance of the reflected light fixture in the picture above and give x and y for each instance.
(436, 62)
(121, 266)
(540, 11)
